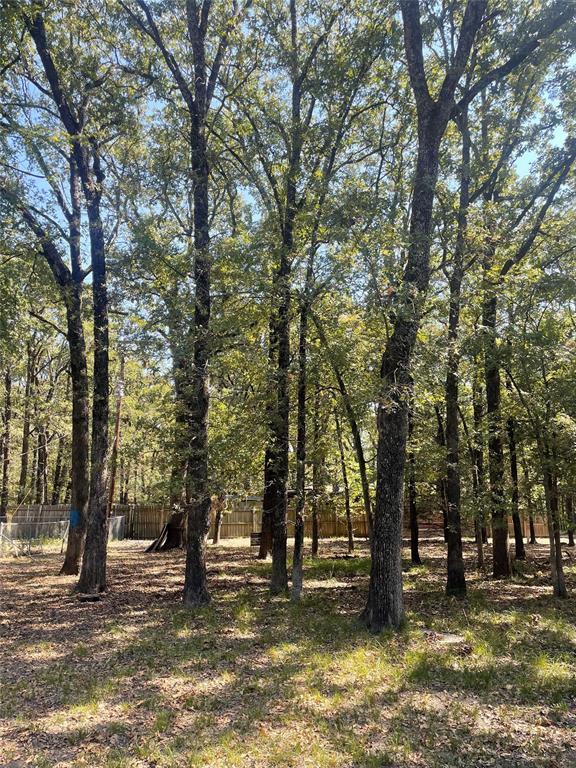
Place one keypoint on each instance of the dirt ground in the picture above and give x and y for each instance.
(136, 680)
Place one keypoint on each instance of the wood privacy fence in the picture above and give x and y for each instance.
(242, 517)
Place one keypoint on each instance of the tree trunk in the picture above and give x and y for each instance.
(297, 560)
(553, 517)
(4, 491)
(280, 325)
(345, 484)
(442, 480)
(34, 473)
(456, 582)
(93, 573)
(268, 505)
(41, 466)
(354, 428)
(217, 525)
(385, 607)
(58, 477)
(478, 480)
(280, 422)
(570, 518)
(80, 449)
(195, 582)
(30, 376)
(218, 503)
(317, 473)
(117, 435)
(412, 506)
(501, 559)
(520, 552)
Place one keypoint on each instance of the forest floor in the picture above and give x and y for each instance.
(136, 681)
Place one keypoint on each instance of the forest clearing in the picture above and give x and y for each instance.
(137, 681)
(288, 383)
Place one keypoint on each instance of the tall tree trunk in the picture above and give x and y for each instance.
(80, 449)
(117, 435)
(68, 492)
(520, 552)
(349, 528)
(220, 502)
(442, 480)
(570, 518)
(456, 582)
(93, 573)
(59, 468)
(7, 419)
(41, 466)
(412, 504)
(24, 456)
(553, 517)
(318, 474)
(280, 431)
(297, 560)
(195, 581)
(385, 605)
(268, 506)
(501, 558)
(354, 427)
(281, 327)
(269, 494)
(34, 473)
(478, 464)
(124, 474)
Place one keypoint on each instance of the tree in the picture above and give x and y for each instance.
(385, 605)
(197, 100)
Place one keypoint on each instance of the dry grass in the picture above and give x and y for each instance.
(136, 680)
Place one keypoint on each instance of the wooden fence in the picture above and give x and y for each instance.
(242, 517)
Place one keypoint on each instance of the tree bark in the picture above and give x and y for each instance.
(570, 517)
(456, 581)
(268, 505)
(117, 435)
(553, 517)
(59, 471)
(349, 528)
(442, 480)
(217, 525)
(501, 559)
(298, 555)
(30, 376)
(7, 419)
(80, 449)
(41, 466)
(520, 551)
(412, 496)
(478, 479)
(318, 474)
(198, 508)
(93, 573)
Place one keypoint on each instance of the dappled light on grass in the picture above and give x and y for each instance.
(136, 680)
